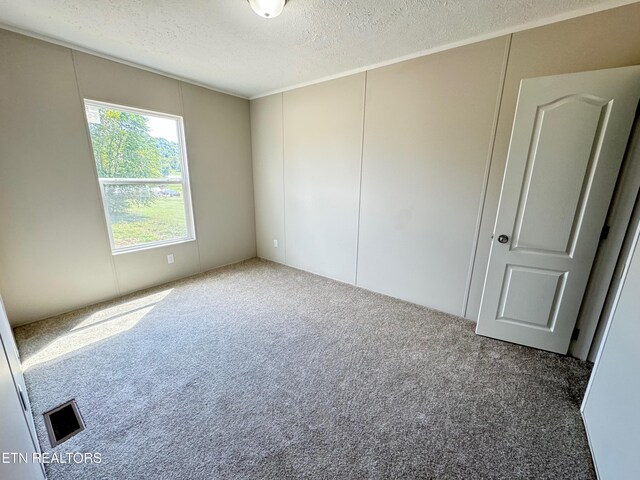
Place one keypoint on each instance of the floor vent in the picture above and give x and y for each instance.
(63, 422)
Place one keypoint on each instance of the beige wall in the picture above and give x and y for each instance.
(428, 161)
(267, 147)
(322, 155)
(218, 131)
(54, 247)
(379, 184)
(426, 142)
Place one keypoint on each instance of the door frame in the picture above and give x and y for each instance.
(606, 269)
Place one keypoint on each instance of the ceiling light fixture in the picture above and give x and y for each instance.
(267, 8)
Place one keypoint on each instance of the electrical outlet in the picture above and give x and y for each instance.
(275, 243)
(170, 259)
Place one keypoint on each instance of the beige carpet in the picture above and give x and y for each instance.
(262, 371)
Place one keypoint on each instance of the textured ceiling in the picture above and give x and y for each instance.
(224, 45)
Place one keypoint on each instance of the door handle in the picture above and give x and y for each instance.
(503, 238)
(22, 399)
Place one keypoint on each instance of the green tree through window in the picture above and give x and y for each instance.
(141, 175)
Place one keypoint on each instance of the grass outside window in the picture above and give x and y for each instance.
(141, 164)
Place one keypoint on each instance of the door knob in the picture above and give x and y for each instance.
(503, 238)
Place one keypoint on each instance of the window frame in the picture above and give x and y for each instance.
(184, 181)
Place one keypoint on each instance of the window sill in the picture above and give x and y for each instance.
(150, 246)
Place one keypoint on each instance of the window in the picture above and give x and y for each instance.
(142, 170)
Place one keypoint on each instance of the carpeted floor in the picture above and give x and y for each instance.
(262, 371)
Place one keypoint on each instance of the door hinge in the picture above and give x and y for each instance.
(575, 334)
(604, 233)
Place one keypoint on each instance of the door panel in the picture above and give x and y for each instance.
(531, 296)
(567, 144)
(558, 169)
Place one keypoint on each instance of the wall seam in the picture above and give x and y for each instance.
(485, 180)
(116, 282)
(364, 109)
(189, 168)
(253, 183)
(284, 190)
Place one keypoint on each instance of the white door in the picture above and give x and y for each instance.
(13, 357)
(569, 136)
(610, 407)
(17, 435)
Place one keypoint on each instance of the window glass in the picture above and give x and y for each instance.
(140, 162)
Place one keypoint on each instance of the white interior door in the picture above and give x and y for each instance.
(13, 357)
(569, 136)
(17, 433)
(610, 408)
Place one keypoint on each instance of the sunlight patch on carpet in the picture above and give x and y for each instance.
(99, 326)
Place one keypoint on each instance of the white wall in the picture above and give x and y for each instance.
(436, 135)
(54, 246)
